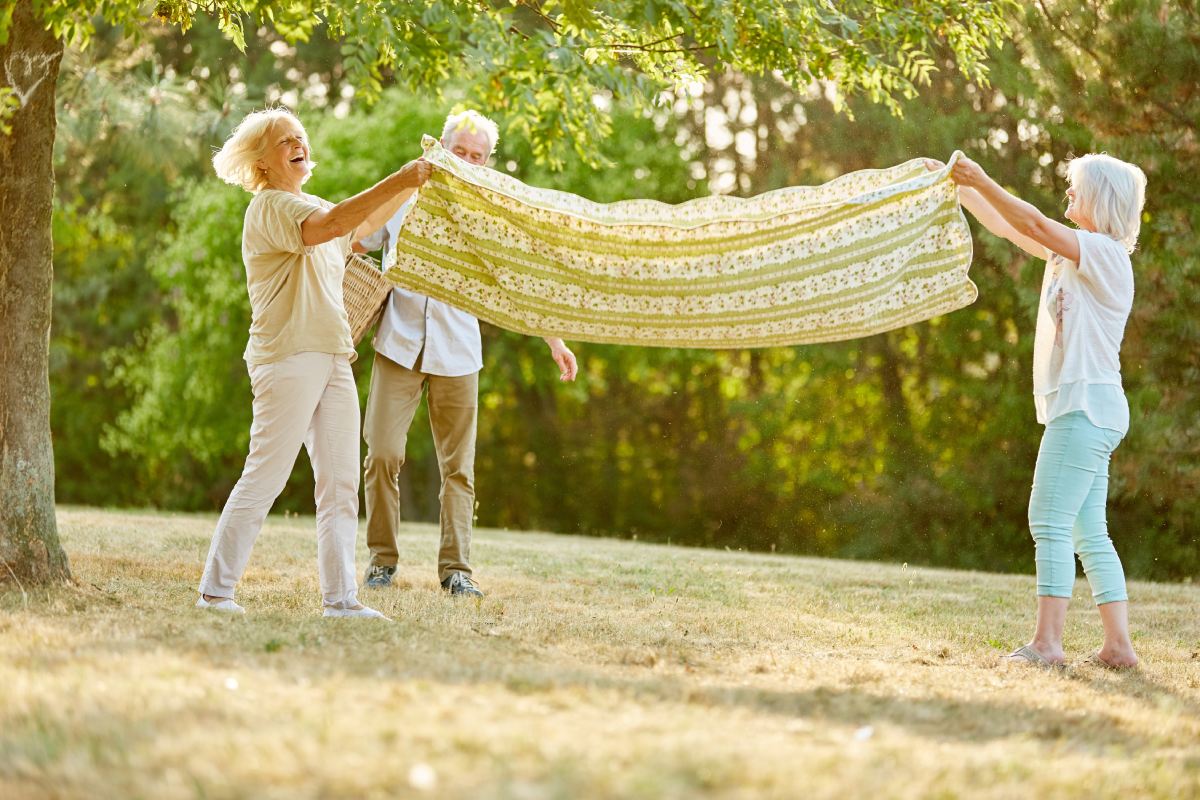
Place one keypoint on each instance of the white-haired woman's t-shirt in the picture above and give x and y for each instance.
(1080, 326)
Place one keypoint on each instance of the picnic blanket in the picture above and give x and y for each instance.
(867, 252)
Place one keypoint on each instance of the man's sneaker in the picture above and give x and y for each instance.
(224, 604)
(459, 584)
(362, 612)
(379, 577)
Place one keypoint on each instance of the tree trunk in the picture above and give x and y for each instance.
(904, 458)
(29, 546)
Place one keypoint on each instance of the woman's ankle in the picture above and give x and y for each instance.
(1048, 649)
(1118, 655)
(1117, 644)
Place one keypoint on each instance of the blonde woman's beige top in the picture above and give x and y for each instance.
(295, 290)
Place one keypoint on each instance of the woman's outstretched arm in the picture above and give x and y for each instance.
(324, 225)
(989, 217)
(1024, 218)
(380, 216)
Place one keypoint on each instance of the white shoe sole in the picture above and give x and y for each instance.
(226, 606)
(359, 613)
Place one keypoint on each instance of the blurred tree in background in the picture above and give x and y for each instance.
(917, 445)
(543, 64)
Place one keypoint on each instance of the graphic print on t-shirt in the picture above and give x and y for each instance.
(1063, 305)
(1058, 301)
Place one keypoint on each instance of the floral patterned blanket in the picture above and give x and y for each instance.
(867, 252)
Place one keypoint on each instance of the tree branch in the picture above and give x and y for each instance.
(536, 8)
(628, 47)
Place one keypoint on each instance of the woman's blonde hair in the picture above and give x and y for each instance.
(237, 160)
(1112, 193)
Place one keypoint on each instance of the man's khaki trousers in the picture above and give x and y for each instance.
(453, 402)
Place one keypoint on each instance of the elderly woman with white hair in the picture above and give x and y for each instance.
(294, 246)
(1086, 297)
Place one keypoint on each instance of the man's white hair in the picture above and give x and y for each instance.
(471, 120)
(236, 161)
(1112, 193)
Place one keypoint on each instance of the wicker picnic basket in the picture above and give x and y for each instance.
(364, 291)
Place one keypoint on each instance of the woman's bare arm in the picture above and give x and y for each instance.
(380, 216)
(1024, 218)
(325, 225)
(989, 217)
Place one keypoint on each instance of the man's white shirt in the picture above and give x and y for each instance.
(412, 323)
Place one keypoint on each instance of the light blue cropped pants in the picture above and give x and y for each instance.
(1066, 509)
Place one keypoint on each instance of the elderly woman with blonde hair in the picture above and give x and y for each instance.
(294, 246)
(1086, 297)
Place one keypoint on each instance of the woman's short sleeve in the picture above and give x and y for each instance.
(274, 222)
(1104, 264)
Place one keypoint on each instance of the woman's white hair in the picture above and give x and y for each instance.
(474, 122)
(237, 160)
(1112, 193)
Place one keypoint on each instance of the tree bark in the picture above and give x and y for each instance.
(29, 546)
(904, 459)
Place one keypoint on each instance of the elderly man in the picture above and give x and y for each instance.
(423, 343)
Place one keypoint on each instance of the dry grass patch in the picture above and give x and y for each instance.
(594, 668)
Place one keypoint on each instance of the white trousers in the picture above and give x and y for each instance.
(309, 399)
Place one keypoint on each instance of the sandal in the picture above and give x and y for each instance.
(1030, 656)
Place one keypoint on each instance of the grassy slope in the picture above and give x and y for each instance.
(595, 668)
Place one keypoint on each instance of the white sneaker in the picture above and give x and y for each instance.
(225, 604)
(361, 611)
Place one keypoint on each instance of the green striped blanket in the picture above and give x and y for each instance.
(868, 252)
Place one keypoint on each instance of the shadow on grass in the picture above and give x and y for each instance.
(446, 647)
(409, 651)
(1137, 684)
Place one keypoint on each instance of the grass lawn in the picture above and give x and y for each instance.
(594, 668)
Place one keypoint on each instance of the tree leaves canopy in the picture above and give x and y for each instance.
(915, 446)
(542, 64)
